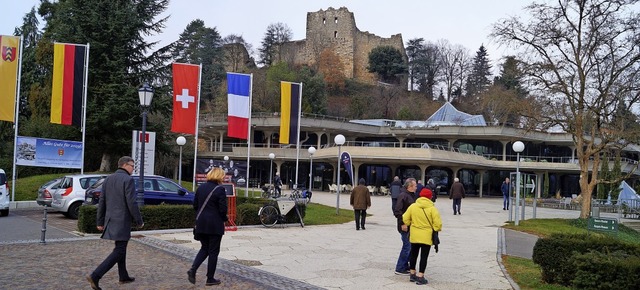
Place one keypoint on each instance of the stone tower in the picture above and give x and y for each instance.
(336, 29)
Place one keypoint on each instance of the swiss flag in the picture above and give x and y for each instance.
(185, 98)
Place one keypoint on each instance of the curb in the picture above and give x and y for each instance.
(502, 251)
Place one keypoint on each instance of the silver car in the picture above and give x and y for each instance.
(45, 192)
(70, 193)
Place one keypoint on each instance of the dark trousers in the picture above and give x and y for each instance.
(423, 250)
(393, 205)
(361, 216)
(456, 205)
(210, 247)
(117, 256)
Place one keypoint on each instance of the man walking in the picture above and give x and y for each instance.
(116, 209)
(405, 199)
(505, 194)
(360, 201)
(457, 194)
(277, 182)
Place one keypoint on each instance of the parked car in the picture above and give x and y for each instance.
(45, 192)
(157, 190)
(4, 194)
(70, 193)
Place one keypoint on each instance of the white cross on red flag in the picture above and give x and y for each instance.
(185, 98)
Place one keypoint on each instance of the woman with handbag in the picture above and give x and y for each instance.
(424, 221)
(210, 203)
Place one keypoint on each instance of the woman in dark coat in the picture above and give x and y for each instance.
(209, 228)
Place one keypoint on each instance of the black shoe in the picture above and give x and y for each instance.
(191, 275)
(357, 229)
(212, 282)
(459, 213)
(454, 213)
(404, 273)
(128, 280)
(363, 228)
(504, 208)
(412, 277)
(94, 283)
(421, 281)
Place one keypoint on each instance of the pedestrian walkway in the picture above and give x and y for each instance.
(339, 257)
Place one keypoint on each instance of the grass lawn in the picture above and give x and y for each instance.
(318, 214)
(526, 273)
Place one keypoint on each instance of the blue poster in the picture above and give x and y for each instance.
(346, 161)
(48, 153)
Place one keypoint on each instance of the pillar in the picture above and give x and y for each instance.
(401, 140)
(423, 173)
(481, 172)
(356, 169)
(221, 140)
(451, 142)
(504, 150)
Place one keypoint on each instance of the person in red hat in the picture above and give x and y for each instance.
(424, 219)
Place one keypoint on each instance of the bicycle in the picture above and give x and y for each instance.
(271, 213)
(269, 191)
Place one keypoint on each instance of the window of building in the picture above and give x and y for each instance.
(324, 20)
(335, 34)
(335, 20)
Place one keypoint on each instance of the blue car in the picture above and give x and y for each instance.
(157, 190)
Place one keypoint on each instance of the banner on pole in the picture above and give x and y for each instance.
(345, 158)
(48, 153)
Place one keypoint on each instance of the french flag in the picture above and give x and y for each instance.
(239, 105)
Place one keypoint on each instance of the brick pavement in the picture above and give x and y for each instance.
(156, 264)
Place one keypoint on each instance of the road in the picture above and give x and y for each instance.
(26, 224)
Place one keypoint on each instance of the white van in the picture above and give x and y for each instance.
(4, 194)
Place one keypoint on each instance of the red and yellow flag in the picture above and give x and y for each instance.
(68, 83)
(9, 46)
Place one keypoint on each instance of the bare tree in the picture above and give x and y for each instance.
(455, 64)
(583, 61)
(237, 52)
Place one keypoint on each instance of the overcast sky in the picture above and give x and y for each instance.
(465, 22)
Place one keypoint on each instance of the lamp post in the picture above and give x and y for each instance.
(180, 141)
(517, 147)
(271, 156)
(311, 151)
(339, 140)
(145, 93)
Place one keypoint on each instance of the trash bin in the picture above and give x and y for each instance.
(595, 212)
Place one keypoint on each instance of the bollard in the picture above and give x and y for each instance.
(44, 226)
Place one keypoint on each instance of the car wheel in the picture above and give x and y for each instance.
(4, 212)
(74, 210)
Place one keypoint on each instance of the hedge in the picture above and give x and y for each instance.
(596, 270)
(159, 217)
(555, 254)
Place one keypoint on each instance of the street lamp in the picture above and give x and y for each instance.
(339, 140)
(311, 150)
(180, 141)
(271, 156)
(517, 147)
(145, 93)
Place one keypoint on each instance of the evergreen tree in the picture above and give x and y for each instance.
(276, 35)
(314, 92)
(415, 53)
(615, 175)
(120, 60)
(32, 73)
(199, 44)
(387, 63)
(480, 76)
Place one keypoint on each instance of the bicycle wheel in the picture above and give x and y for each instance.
(268, 215)
(265, 194)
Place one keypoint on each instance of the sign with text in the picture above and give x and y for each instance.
(149, 151)
(603, 224)
(48, 153)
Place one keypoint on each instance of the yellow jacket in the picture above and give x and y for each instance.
(416, 218)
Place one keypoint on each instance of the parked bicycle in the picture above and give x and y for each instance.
(269, 191)
(276, 212)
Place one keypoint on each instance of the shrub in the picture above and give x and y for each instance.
(155, 217)
(554, 254)
(248, 214)
(596, 270)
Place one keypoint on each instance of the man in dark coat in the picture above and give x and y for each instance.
(116, 210)
(395, 188)
(405, 199)
(505, 193)
(457, 194)
(277, 182)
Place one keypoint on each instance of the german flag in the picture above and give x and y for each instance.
(290, 96)
(68, 83)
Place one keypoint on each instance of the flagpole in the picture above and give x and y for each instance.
(84, 107)
(246, 192)
(15, 123)
(195, 153)
(298, 137)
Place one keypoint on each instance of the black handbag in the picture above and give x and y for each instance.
(435, 237)
(195, 236)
